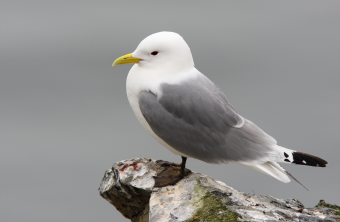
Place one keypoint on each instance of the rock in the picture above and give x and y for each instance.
(128, 186)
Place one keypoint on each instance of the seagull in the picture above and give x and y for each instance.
(189, 115)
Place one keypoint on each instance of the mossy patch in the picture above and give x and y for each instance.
(209, 207)
(322, 203)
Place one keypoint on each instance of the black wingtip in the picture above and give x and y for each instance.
(309, 160)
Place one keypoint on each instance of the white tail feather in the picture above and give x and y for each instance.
(272, 169)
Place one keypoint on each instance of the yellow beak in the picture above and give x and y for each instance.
(126, 59)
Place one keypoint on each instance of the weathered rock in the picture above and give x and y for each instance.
(128, 185)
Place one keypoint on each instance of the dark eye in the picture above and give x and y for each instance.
(154, 53)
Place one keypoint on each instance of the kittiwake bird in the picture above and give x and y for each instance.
(188, 114)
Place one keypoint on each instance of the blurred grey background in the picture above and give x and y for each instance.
(65, 117)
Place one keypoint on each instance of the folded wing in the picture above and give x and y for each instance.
(196, 119)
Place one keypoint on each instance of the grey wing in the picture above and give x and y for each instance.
(196, 119)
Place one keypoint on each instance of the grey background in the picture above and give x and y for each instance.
(65, 117)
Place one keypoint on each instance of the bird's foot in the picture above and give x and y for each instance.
(166, 163)
(167, 177)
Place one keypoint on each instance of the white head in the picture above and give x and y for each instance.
(162, 50)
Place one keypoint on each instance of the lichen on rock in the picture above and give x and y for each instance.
(323, 205)
(129, 186)
(209, 207)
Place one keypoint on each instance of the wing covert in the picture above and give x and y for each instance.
(196, 119)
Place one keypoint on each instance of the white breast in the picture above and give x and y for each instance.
(140, 79)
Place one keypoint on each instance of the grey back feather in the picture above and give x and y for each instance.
(196, 119)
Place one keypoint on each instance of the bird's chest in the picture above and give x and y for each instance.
(137, 82)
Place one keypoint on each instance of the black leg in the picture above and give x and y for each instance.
(184, 160)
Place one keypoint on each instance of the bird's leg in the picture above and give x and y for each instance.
(171, 175)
